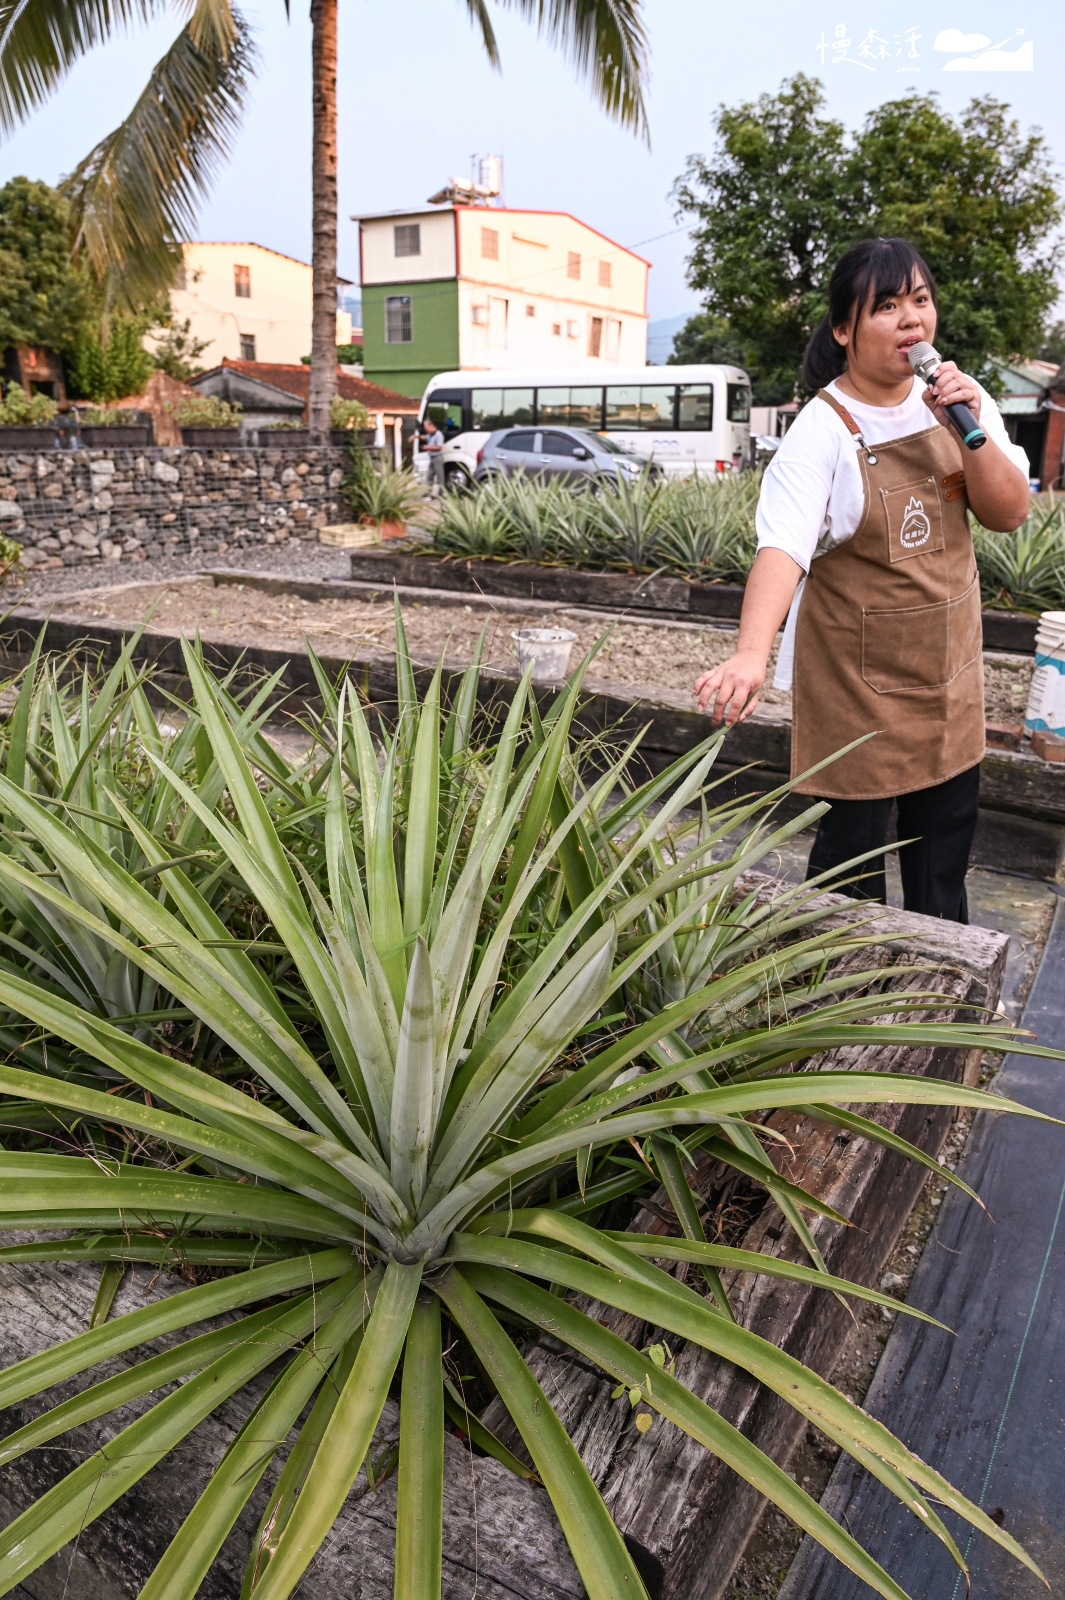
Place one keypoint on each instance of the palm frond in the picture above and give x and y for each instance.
(136, 193)
(40, 40)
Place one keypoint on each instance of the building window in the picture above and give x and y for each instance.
(182, 279)
(572, 330)
(408, 239)
(604, 274)
(595, 337)
(530, 311)
(490, 244)
(613, 340)
(247, 347)
(573, 266)
(242, 282)
(556, 329)
(399, 325)
(480, 316)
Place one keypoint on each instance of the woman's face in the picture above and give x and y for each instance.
(886, 332)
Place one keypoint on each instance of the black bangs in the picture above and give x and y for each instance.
(894, 267)
(865, 276)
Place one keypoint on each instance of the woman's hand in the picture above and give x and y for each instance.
(737, 684)
(996, 489)
(951, 388)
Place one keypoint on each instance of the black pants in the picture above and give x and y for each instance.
(941, 821)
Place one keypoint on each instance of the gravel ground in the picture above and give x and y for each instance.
(666, 654)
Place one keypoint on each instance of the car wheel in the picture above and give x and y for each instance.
(457, 478)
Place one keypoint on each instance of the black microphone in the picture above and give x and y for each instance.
(926, 362)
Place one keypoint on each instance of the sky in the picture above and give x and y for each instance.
(418, 100)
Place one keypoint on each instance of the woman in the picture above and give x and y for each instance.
(864, 545)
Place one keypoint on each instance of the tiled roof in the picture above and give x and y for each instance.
(297, 380)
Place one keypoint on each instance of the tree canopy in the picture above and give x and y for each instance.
(44, 298)
(787, 190)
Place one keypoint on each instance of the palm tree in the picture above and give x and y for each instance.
(135, 195)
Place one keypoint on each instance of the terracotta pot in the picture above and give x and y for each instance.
(392, 530)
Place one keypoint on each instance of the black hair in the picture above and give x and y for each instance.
(866, 274)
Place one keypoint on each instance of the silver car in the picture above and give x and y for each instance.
(566, 455)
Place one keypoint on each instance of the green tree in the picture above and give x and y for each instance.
(44, 299)
(787, 191)
(111, 370)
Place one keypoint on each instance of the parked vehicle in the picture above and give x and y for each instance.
(684, 419)
(566, 455)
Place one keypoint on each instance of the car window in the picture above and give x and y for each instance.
(517, 441)
(560, 444)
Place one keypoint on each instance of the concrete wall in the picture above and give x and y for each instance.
(407, 368)
(88, 506)
(532, 282)
(277, 313)
(435, 259)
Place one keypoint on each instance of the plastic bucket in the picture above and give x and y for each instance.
(1046, 698)
(547, 648)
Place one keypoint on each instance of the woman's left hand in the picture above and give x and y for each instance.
(952, 388)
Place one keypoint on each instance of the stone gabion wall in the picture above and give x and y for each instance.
(66, 507)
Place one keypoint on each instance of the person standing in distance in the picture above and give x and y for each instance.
(433, 445)
(864, 545)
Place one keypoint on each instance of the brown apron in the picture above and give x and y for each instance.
(888, 635)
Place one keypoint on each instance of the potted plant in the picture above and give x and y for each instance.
(26, 420)
(348, 419)
(207, 423)
(116, 426)
(380, 496)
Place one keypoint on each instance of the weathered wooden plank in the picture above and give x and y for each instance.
(688, 1515)
(500, 1534)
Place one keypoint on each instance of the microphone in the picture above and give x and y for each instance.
(926, 362)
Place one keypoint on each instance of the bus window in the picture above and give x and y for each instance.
(633, 410)
(696, 409)
(570, 408)
(501, 408)
(447, 415)
(739, 402)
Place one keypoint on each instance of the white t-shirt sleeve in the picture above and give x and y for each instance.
(995, 428)
(793, 505)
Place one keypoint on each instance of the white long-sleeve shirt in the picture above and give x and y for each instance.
(812, 496)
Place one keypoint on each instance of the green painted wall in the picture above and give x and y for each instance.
(407, 368)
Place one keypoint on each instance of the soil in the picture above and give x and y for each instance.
(668, 655)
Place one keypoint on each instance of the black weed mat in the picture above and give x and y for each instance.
(986, 1406)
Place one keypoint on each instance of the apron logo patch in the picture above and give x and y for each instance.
(916, 529)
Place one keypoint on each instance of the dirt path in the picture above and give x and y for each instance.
(670, 655)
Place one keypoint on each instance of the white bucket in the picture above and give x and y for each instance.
(1046, 698)
(547, 648)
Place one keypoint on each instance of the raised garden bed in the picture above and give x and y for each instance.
(131, 436)
(262, 624)
(613, 591)
(29, 438)
(211, 438)
(685, 1519)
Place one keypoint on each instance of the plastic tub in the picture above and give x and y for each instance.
(1046, 698)
(547, 648)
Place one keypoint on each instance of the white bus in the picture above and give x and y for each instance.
(689, 419)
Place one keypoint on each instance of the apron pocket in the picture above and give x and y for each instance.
(965, 625)
(904, 650)
(914, 515)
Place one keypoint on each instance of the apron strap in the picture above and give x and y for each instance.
(848, 422)
(841, 412)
